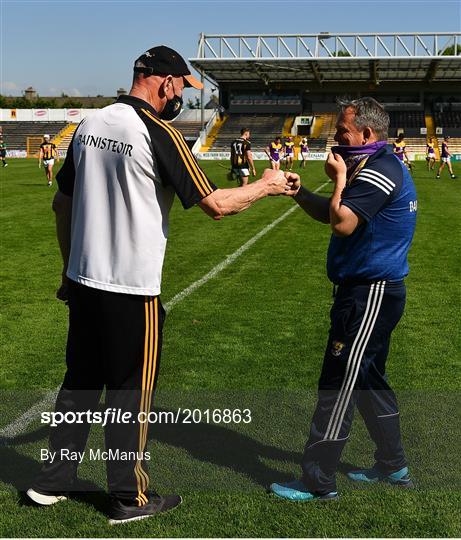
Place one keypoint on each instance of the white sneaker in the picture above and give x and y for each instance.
(44, 500)
(50, 184)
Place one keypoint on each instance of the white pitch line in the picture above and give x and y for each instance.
(227, 261)
(231, 258)
(19, 425)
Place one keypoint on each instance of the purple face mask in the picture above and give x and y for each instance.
(353, 155)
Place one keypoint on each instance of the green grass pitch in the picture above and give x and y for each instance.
(251, 337)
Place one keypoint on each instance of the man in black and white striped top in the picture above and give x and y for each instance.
(116, 187)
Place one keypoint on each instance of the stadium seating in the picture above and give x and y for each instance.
(328, 131)
(263, 129)
(65, 138)
(455, 145)
(265, 100)
(16, 133)
(190, 130)
(189, 123)
(448, 119)
(406, 119)
(416, 145)
(317, 145)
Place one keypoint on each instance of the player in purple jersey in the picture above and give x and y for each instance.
(273, 152)
(430, 154)
(400, 150)
(445, 158)
(289, 152)
(303, 152)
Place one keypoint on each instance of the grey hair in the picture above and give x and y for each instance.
(368, 113)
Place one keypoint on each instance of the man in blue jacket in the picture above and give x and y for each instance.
(372, 214)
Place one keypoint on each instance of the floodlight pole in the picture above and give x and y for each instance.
(202, 101)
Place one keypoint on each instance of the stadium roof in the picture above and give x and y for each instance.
(325, 57)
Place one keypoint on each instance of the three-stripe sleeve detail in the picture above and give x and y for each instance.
(198, 176)
(354, 360)
(377, 179)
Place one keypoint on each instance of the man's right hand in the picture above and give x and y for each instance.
(294, 182)
(276, 183)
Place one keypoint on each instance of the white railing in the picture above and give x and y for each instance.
(328, 45)
(201, 139)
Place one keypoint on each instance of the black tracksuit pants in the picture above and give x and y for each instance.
(114, 342)
(363, 317)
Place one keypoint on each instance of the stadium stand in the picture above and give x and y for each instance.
(416, 145)
(448, 119)
(263, 128)
(64, 138)
(316, 145)
(328, 131)
(190, 130)
(258, 74)
(264, 104)
(406, 119)
(16, 133)
(455, 145)
(189, 123)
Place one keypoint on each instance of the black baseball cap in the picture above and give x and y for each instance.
(162, 60)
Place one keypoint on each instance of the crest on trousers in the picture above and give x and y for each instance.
(337, 348)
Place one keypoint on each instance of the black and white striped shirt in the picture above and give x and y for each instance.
(123, 167)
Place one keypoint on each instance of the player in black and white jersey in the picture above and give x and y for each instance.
(47, 154)
(3, 151)
(304, 152)
(242, 158)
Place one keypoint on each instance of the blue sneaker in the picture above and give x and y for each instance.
(371, 476)
(297, 491)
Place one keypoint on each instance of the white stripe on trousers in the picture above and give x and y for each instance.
(349, 361)
(379, 296)
(355, 358)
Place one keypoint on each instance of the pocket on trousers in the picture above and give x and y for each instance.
(343, 317)
(162, 310)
